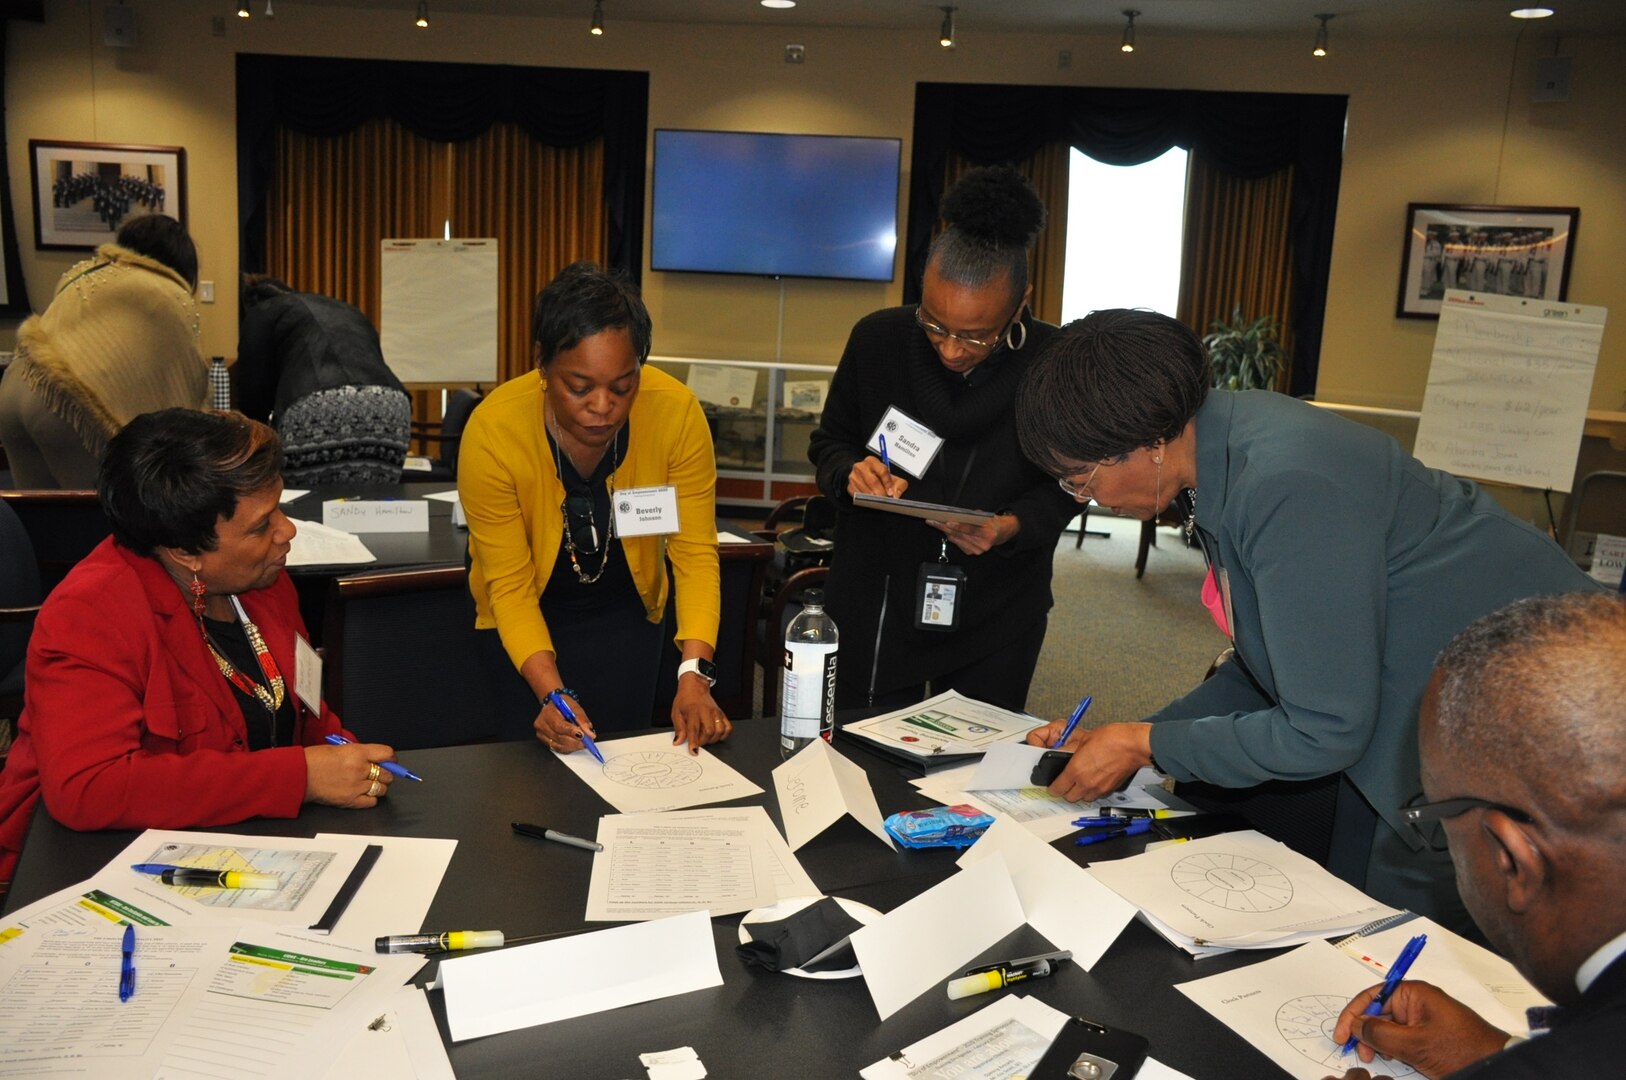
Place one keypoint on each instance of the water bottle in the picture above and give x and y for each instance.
(807, 709)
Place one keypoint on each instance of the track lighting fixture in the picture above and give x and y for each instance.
(596, 28)
(243, 12)
(269, 12)
(422, 21)
(1320, 49)
(945, 34)
(1128, 44)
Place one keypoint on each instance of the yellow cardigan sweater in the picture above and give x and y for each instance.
(512, 496)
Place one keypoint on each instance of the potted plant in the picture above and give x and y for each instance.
(1245, 355)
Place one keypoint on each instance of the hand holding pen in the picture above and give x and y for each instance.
(1397, 972)
(874, 476)
(347, 774)
(559, 738)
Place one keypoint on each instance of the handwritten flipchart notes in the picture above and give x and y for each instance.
(1508, 388)
(376, 515)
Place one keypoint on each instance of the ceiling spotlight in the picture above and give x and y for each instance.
(1128, 44)
(1321, 37)
(422, 21)
(780, 4)
(243, 12)
(1531, 12)
(270, 14)
(945, 34)
(596, 28)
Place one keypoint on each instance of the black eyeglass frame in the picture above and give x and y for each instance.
(1420, 814)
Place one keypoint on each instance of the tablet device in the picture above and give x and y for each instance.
(925, 510)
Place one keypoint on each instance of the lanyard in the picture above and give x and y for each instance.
(954, 499)
(271, 695)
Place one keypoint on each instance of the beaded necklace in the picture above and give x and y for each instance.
(592, 524)
(270, 695)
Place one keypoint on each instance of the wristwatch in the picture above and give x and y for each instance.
(703, 668)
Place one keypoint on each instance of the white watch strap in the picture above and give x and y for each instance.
(692, 667)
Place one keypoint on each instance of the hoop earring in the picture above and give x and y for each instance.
(197, 595)
(1011, 341)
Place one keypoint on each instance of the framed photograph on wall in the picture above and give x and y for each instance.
(1506, 250)
(83, 191)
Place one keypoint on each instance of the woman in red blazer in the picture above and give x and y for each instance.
(160, 681)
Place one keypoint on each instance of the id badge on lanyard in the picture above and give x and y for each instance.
(940, 586)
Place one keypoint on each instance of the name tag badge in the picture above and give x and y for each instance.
(308, 675)
(650, 511)
(911, 445)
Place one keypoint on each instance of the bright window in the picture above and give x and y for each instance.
(1124, 228)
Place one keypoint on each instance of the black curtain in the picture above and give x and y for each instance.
(445, 103)
(14, 297)
(1246, 135)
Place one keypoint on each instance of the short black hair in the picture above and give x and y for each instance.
(585, 299)
(991, 217)
(169, 476)
(258, 288)
(164, 239)
(1114, 381)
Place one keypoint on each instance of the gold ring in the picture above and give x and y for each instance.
(373, 771)
(375, 789)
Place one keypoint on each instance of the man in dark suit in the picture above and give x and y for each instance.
(1523, 739)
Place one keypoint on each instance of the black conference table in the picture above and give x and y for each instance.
(757, 1024)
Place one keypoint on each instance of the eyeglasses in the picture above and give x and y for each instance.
(1082, 491)
(1425, 818)
(933, 330)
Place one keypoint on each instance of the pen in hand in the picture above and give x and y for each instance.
(1391, 982)
(388, 766)
(559, 702)
(1072, 722)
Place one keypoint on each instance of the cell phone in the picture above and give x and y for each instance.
(1088, 1051)
(1049, 766)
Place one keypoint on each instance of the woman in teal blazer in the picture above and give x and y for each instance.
(1339, 567)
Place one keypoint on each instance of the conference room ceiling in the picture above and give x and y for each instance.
(1361, 18)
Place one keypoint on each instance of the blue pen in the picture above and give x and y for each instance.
(1078, 714)
(565, 711)
(1391, 981)
(884, 459)
(1107, 822)
(1144, 825)
(127, 964)
(387, 766)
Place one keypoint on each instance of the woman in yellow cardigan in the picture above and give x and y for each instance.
(581, 480)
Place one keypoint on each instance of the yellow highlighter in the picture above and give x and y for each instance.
(996, 976)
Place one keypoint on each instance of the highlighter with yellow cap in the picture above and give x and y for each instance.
(450, 941)
(995, 976)
(216, 879)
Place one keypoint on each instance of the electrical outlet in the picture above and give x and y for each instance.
(1064, 60)
(206, 292)
(795, 54)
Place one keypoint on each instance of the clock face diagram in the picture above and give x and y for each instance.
(652, 769)
(1233, 882)
(1306, 1024)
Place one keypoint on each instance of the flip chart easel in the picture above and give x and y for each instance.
(439, 321)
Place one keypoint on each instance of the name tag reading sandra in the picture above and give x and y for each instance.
(910, 444)
(376, 515)
(649, 511)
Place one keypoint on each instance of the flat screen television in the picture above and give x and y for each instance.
(735, 202)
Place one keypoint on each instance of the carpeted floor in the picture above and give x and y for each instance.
(1134, 645)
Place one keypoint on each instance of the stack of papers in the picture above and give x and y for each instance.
(947, 725)
(1041, 813)
(1238, 890)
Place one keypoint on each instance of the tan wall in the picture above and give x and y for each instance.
(1426, 123)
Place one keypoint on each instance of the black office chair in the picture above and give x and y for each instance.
(448, 433)
(64, 526)
(400, 664)
(20, 597)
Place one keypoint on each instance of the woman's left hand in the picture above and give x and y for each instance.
(696, 719)
(1104, 758)
(981, 538)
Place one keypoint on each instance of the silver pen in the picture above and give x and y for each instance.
(541, 833)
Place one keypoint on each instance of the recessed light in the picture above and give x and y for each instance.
(1531, 12)
(778, 3)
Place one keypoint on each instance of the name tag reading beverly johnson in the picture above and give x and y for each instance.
(648, 511)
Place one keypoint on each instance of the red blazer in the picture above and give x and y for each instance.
(127, 722)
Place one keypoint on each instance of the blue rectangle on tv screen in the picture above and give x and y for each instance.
(780, 205)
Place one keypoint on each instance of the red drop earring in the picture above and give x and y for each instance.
(197, 596)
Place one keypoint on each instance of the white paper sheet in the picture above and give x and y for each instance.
(949, 723)
(1240, 890)
(443, 496)
(1006, 766)
(922, 942)
(646, 772)
(656, 865)
(520, 987)
(1005, 1039)
(312, 872)
(1287, 1006)
(816, 787)
(290, 494)
(315, 544)
(1041, 813)
(400, 1042)
(789, 878)
(1059, 898)
(398, 891)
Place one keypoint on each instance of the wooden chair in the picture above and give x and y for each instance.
(401, 664)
